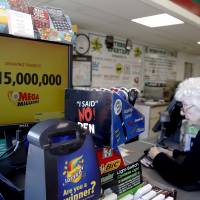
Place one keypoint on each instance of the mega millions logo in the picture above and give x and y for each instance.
(73, 170)
(23, 98)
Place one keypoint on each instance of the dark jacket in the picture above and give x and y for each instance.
(180, 172)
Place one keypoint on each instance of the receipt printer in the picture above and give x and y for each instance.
(61, 163)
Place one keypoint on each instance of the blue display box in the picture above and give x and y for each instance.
(109, 117)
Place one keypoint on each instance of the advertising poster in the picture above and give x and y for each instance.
(115, 67)
(111, 119)
(33, 76)
(127, 122)
(91, 110)
(78, 174)
(159, 66)
(123, 181)
(82, 71)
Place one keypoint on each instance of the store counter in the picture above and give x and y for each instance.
(151, 111)
(136, 151)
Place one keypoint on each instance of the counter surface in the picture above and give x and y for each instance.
(152, 103)
(136, 151)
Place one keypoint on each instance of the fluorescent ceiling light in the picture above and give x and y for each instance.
(158, 20)
(198, 42)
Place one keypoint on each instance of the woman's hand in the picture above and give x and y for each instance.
(166, 151)
(153, 152)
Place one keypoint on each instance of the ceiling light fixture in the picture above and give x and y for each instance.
(198, 42)
(158, 20)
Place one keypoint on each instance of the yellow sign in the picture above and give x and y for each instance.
(75, 28)
(110, 166)
(33, 78)
(3, 16)
(73, 170)
(118, 68)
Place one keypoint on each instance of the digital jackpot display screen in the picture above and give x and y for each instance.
(33, 78)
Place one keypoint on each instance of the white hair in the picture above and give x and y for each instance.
(190, 89)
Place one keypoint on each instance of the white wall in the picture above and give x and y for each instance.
(180, 61)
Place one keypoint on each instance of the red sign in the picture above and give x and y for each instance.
(109, 160)
(191, 5)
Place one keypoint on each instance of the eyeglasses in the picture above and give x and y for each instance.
(185, 108)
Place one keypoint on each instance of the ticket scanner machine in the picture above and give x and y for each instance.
(61, 163)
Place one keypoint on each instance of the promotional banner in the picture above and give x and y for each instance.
(111, 119)
(127, 122)
(191, 5)
(33, 76)
(91, 110)
(115, 67)
(109, 159)
(78, 174)
(159, 66)
(123, 181)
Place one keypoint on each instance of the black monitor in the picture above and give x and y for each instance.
(173, 126)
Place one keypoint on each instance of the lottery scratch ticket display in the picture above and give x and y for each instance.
(19, 5)
(54, 35)
(40, 17)
(60, 29)
(112, 120)
(3, 20)
(58, 19)
(48, 23)
(61, 163)
(4, 4)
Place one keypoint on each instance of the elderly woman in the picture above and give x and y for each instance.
(185, 173)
